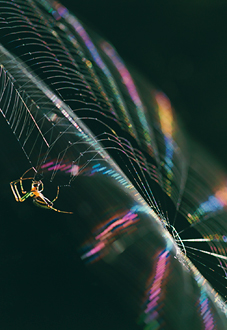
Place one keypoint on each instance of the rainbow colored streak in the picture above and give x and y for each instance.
(155, 294)
(166, 119)
(111, 230)
(131, 88)
(214, 203)
(74, 22)
(203, 303)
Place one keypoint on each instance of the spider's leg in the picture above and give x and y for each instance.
(56, 195)
(21, 185)
(22, 199)
(42, 187)
(31, 168)
(46, 203)
(22, 178)
(42, 201)
(56, 210)
(14, 189)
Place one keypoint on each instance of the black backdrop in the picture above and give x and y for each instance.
(181, 47)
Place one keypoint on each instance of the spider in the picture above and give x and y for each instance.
(37, 187)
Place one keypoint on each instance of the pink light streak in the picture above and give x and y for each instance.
(125, 222)
(125, 75)
(206, 315)
(95, 250)
(47, 164)
(56, 167)
(156, 291)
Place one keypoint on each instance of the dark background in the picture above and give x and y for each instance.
(181, 47)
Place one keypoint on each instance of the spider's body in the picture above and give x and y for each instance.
(36, 193)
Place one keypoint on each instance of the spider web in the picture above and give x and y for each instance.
(77, 111)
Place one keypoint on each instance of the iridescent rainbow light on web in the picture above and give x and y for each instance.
(53, 166)
(98, 60)
(112, 228)
(203, 302)
(155, 294)
(110, 172)
(129, 83)
(205, 310)
(165, 114)
(213, 204)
